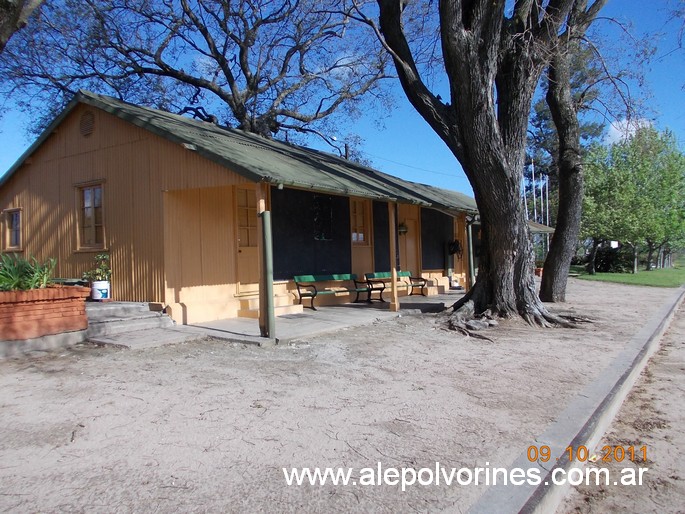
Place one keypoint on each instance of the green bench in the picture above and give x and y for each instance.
(378, 282)
(307, 286)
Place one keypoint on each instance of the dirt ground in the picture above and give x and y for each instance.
(208, 425)
(653, 417)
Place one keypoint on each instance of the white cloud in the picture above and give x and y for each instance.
(623, 129)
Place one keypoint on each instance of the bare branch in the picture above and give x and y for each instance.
(255, 62)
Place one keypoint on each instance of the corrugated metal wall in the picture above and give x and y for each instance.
(136, 167)
(200, 256)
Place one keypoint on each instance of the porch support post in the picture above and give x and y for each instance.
(392, 228)
(469, 243)
(267, 318)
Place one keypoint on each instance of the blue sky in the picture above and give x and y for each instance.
(407, 147)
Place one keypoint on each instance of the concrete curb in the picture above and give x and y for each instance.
(583, 422)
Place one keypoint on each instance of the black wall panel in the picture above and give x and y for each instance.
(311, 233)
(437, 230)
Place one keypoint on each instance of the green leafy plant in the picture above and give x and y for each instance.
(20, 274)
(102, 270)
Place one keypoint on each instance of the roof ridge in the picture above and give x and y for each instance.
(271, 160)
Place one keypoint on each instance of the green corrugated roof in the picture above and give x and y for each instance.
(260, 159)
(539, 228)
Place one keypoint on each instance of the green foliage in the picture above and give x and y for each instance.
(614, 260)
(102, 270)
(635, 190)
(20, 274)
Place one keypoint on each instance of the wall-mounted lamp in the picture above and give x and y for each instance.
(402, 229)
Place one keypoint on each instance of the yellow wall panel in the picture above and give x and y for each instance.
(199, 258)
(136, 167)
(410, 243)
(169, 215)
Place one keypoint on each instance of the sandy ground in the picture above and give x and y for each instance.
(652, 417)
(208, 426)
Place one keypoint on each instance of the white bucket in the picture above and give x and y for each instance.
(99, 290)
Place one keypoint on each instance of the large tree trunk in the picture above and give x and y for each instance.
(505, 285)
(570, 165)
(493, 64)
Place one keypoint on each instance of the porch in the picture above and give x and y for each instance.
(289, 327)
(214, 244)
(326, 319)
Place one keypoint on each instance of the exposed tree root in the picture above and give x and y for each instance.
(460, 319)
(545, 319)
(468, 333)
(576, 319)
(531, 310)
(459, 304)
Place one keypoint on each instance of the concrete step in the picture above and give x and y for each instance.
(149, 338)
(252, 302)
(108, 310)
(430, 290)
(111, 326)
(280, 310)
(109, 318)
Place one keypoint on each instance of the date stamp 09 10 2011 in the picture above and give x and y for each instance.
(582, 454)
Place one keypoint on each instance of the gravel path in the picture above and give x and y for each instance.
(208, 426)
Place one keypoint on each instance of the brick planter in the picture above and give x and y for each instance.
(36, 313)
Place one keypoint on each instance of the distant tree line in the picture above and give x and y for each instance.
(635, 194)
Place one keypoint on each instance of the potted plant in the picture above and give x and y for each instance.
(99, 277)
(538, 267)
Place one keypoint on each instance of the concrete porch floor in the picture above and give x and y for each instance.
(324, 319)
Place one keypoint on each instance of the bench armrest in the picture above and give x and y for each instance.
(309, 289)
(417, 282)
(360, 284)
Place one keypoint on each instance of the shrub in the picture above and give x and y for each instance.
(614, 260)
(20, 274)
(101, 271)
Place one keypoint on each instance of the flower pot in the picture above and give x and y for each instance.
(99, 290)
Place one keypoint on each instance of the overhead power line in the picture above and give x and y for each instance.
(410, 166)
